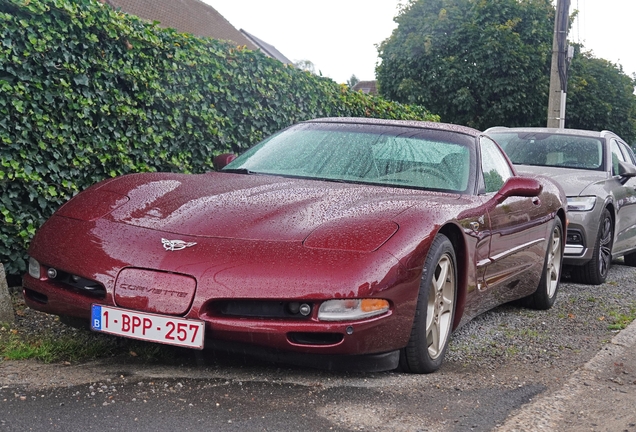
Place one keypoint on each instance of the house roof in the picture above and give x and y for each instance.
(187, 16)
(268, 49)
(366, 87)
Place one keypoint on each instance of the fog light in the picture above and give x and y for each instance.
(351, 309)
(34, 268)
(293, 307)
(51, 273)
(304, 309)
(574, 238)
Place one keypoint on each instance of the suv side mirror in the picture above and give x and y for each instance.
(626, 171)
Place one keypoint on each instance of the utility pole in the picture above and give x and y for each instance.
(561, 55)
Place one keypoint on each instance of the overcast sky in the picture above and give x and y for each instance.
(339, 36)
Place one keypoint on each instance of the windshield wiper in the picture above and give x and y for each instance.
(238, 171)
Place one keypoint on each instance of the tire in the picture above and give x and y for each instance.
(545, 295)
(594, 272)
(435, 310)
(630, 259)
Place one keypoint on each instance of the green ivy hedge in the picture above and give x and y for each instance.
(87, 92)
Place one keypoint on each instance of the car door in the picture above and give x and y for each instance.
(518, 233)
(624, 199)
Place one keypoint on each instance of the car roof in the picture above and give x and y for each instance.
(577, 132)
(403, 123)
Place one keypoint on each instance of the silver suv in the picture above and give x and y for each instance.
(596, 170)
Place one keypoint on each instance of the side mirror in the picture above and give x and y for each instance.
(222, 160)
(514, 186)
(626, 171)
(519, 186)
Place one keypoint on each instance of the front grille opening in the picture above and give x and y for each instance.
(36, 296)
(85, 286)
(306, 338)
(263, 309)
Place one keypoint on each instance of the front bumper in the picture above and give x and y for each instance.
(377, 335)
(581, 235)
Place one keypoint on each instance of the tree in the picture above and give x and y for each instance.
(306, 65)
(353, 81)
(600, 96)
(477, 63)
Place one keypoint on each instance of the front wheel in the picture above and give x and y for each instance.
(435, 310)
(594, 272)
(545, 295)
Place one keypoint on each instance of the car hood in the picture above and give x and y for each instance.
(573, 181)
(255, 207)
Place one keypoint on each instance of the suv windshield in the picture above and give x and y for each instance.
(551, 149)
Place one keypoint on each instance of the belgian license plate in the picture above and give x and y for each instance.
(149, 327)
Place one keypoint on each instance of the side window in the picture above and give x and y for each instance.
(616, 156)
(627, 151)
(494, 165)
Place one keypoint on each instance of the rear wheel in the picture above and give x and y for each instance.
(630, 259)
(545, 295)
(594, 272)
(435, 310)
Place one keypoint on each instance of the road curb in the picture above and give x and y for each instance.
(552, 410)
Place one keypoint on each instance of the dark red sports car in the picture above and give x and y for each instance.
(360, 239)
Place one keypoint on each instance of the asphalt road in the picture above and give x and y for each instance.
(381, 402)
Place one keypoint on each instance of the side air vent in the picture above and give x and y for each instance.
(263, 309)
(306, 338)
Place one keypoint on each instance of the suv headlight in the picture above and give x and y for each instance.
(581, 203)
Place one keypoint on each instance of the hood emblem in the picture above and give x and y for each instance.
(175, 245)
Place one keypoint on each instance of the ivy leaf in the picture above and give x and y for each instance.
(81, 80)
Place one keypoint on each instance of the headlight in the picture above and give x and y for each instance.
(351, 309)
(34, 268)
(352, 234)
(92, 204)
(581, 203)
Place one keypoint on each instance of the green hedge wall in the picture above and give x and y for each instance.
(87, 93)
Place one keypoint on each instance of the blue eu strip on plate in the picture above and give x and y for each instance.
(96, 318)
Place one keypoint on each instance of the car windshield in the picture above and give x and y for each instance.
(377, 154)
(551, 149)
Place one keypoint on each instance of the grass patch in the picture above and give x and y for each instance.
(521, 333)
(78, 346)
(39, 336)
(81, 346)
(512, 351)
(621, 320)
(50, 348)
